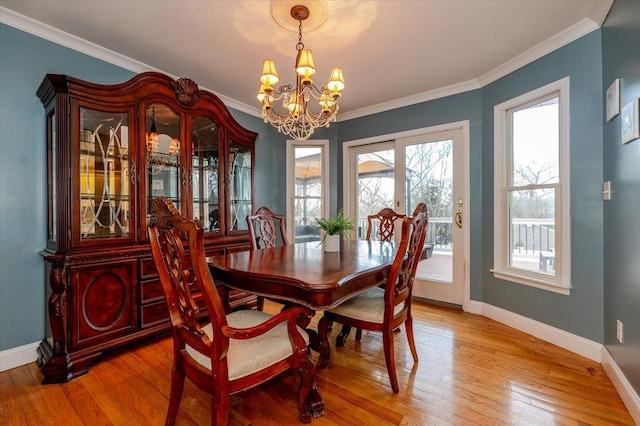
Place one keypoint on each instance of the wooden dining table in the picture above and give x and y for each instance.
(304, 274)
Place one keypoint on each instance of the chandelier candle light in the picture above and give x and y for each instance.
(297, 120)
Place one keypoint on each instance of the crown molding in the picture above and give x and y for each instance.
(441, 92)
(551, 44)
(599, 10)
(47, 32)
(597, 14)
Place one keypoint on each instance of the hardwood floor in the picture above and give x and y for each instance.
(472, 371)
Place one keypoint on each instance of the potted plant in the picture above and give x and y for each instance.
(333, 227)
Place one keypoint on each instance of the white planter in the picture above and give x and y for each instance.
(332, 243)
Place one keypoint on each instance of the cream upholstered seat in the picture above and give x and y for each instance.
(251, 355)
(367, 306)
(232, 352)
(385, 309)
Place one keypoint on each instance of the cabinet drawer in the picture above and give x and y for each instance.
(153, 313)
(151, 291)
(148, 268)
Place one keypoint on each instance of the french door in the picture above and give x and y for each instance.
(402, 172)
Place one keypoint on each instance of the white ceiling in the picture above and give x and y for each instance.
(393, 53)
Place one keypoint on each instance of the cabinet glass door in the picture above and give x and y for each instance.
(162, 156)
(105, 182)
(240, 203)
(204, 170)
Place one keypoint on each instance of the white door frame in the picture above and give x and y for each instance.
(350, 187)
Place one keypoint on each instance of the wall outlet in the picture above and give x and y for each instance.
(620, 331)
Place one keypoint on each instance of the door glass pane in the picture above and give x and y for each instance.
(162, 157)
(308, 193)
(104, 174)
(204, 169)
(429, 178)
(240, 203)
(375, 185)
(532, 226)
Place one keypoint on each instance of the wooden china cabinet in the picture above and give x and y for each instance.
(111, 150)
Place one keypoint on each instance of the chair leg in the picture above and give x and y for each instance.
(408, 324)
(342, 336)
(220, 406)
(175, 394)
(310, 403)
(390, 358)
(358, 334)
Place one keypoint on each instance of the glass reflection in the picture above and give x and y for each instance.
(162, 157)
(204, 163)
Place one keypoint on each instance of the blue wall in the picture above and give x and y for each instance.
(581, 312)
(24, 61)
(621, 59)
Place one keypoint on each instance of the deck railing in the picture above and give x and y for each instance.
(528, 236)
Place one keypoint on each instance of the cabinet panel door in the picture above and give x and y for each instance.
(164, 174)
(240, 186)
(104, 301)
(205, 163)
(104, 190)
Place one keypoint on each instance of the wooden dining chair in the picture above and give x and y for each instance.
(264, 228)
(386, 221)
(384, 309)
(229, 353)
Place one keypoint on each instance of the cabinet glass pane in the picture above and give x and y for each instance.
(162, 158)
(104, 175)
(204, 170)
(239, 186)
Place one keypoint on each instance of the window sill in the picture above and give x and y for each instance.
(532, 282)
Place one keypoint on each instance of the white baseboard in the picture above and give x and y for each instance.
(585, 347)
(15, 357)
(622, 385)
(472, 306)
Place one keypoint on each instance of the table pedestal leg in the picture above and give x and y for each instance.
(322, 344)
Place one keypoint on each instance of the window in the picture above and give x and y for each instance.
(531, 224)
(307, 183)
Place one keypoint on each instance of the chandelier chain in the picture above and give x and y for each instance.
(300, 45)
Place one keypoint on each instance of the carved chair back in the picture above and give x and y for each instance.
(386, 221)
(403, 270)
(264, 228)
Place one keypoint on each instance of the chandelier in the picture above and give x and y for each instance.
(296, 118)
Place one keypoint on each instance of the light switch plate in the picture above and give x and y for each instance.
(606, 190)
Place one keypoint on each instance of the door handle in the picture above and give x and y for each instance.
(459, 218)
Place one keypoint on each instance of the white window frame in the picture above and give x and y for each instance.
(561, 281)
(323, 144)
